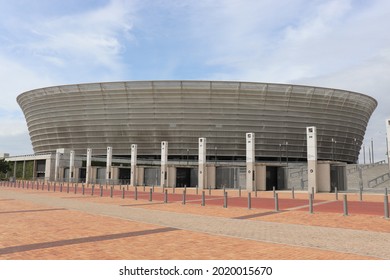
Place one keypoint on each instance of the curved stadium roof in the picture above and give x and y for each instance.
(119, 114)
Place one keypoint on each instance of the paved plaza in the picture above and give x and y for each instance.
(47, 224)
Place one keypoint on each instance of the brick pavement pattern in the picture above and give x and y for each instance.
(149, 226)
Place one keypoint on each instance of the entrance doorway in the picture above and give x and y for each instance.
(275, 177)
(124, 175)
(337, 178)
(186, 176)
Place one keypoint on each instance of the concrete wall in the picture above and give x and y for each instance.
(323, 177)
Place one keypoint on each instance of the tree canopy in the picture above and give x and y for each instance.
(4, 166)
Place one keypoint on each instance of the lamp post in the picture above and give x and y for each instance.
(333, 144)
(364, 154)
(287, 154)
(280, 153)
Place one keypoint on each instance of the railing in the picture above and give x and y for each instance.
(298, 173)
(364, 166)
(378, 180)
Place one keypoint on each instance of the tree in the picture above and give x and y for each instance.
(4, 167)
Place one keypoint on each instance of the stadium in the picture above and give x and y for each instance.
(119, 114)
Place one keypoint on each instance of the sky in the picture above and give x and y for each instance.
(341, 44)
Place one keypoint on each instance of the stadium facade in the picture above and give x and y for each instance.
(119, 114)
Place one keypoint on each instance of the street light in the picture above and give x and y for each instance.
(287, 153)
(333, 143)
(280, 153)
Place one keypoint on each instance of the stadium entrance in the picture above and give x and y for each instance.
(275, 177)
(186, 176)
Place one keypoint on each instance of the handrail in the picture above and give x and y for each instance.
(378, 180)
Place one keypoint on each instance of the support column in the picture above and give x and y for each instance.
(57, 165)
(164, 162)
(250, 161)
(133, 172)
(24, 169)
(202, 164)
(88, 167)
(15, 170)
(388, 141)
(34, 170)
(311, 134)
(71, 166)
(108, 164)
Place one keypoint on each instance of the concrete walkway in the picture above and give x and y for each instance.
(365, 243)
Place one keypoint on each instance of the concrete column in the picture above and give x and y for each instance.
(15, 169)
(311, 134)
(24, 169)
(108, 164)
(133, 172)
(250, 161)
(164, 162)
(57, 165)
(34, 170)
(388, 141)
(202, 164)
(88, 167)
(71, 166)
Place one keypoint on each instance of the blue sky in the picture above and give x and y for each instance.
(342, 44)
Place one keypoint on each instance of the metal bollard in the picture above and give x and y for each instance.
(196, 189)
(345, 205)
(184, 197)
(111, 191)
(93, 189)
(203, 199)
(144, 187)
(127, 187)
(123, 193)
(135, 193)
(249, 201)
(361, 194)
(225, 199)
(61, 187)
(173, 189)
(209, 190)
(276, 202)
(166, 196)
(273, 189)
(101, 190)
(83, 189)
(48, 186)
(386, 201)
(310, 204)
(150, 194)
(239, 191)
(336, 193)
(54, 187)
(293, 193)
(312, 192)
(67, 188)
